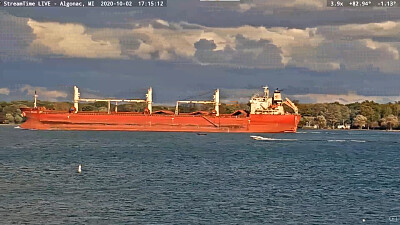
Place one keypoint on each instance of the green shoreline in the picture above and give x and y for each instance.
(300, 129)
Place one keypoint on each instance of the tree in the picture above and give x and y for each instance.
(10, 118)
(306, 121)
(100, 104)
(345, 111)
(88, 108)
(360, 121)
(367, 111)
(103, 109)
(321, 121)
(11, 109)
(18, 119)
(386, 111)
(333, 114)
(395, 109)
(371, 110)
(374, 125)
(62, 106)
(354, 110)
(390, 121)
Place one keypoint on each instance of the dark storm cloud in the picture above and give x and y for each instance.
(205, 45)
(15, 38)
(248, 53)
(277, 13)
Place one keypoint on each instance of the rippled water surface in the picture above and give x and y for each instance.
(322, 177)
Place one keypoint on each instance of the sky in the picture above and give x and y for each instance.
(312, 52)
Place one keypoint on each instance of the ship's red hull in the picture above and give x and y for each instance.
(50, 120)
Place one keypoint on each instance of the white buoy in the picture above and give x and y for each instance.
(79, 168)
(363, 220)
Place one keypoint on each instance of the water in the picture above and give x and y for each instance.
(324, 177)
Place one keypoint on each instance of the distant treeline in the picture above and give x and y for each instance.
(10, 112)
(365, 115)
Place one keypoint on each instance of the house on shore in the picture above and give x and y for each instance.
(344, 126)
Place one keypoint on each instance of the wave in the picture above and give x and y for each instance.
(341, 140)
(260, 138)
(336, 140)
(359, 141)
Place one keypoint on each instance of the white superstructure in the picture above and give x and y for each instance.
(267, 105)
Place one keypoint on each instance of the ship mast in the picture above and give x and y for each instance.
(266, 92)
(149, 100)
(76, 98)
(35, 100)
(215, 101)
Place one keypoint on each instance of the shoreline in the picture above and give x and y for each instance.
(352, 130)
(390, 131)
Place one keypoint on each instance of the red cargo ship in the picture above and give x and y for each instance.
(267, 115)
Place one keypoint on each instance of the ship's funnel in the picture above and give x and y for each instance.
(277, 96)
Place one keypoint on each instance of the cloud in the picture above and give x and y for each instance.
(44, 93)
(383, 29)
(4, 91)
(243, 96)
(343, 98)
(70, 40)
(161, 40)
(15, 37)
(230, 96)
(360, 46)
(269, 5)
(385, 47)
(248, 53)
(372, 46)
(233, 46)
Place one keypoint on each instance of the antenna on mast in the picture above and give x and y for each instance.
(266, 91)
